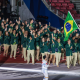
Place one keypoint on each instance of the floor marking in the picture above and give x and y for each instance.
(39, 71)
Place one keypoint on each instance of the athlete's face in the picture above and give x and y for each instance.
(59, 40)
(69, 41)
(75, 41)
(43, 39)
(25, 22)
(30, 38)
(22, 30)
(6, 33)
(54, 31)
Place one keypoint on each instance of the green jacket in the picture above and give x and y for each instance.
(41, 47)
(24, 42)
(49, 44)
(31, 45)
(7, 40)
(75, 47)
(10, 27)
(26, 28)
(37, 41)
(55, 35)
(17, 31)
(53, 47)
(45, 47)
(59, 46)
(58, 35)
(32, 25)
(1, 39)
(14, 39)
(79, 47)
(68, 50)
(2, 29)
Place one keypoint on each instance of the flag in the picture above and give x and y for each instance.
(69, 26)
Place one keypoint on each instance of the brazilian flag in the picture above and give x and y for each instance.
(69, 26)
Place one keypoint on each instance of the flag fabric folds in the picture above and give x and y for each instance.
(69, 26)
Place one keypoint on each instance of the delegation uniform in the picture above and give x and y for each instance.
(1, 40)
(6, 41)
(24, 42)
(79, 53)
(42, 49)
(68, 54)
(58, 54)
(53, 47)
(30, 50)
(14, 43)
(75, 53)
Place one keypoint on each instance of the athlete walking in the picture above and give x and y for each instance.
(45, 67)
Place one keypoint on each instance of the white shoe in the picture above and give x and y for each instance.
(10, 56)
(14, 58)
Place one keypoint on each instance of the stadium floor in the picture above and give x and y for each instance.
(22, 71)
(18, 69)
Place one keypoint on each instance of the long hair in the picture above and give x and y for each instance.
(5, 33)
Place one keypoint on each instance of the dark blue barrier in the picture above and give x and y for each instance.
(37, 7)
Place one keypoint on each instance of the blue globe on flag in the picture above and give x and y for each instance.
(68, 27)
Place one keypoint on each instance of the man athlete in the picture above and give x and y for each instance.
(44, 67)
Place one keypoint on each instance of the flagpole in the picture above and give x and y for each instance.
(74, 20)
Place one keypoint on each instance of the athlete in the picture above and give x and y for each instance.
(44, 67)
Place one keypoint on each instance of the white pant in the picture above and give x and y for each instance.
(44, 71)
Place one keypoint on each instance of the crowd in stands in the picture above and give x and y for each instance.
(36, 39)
